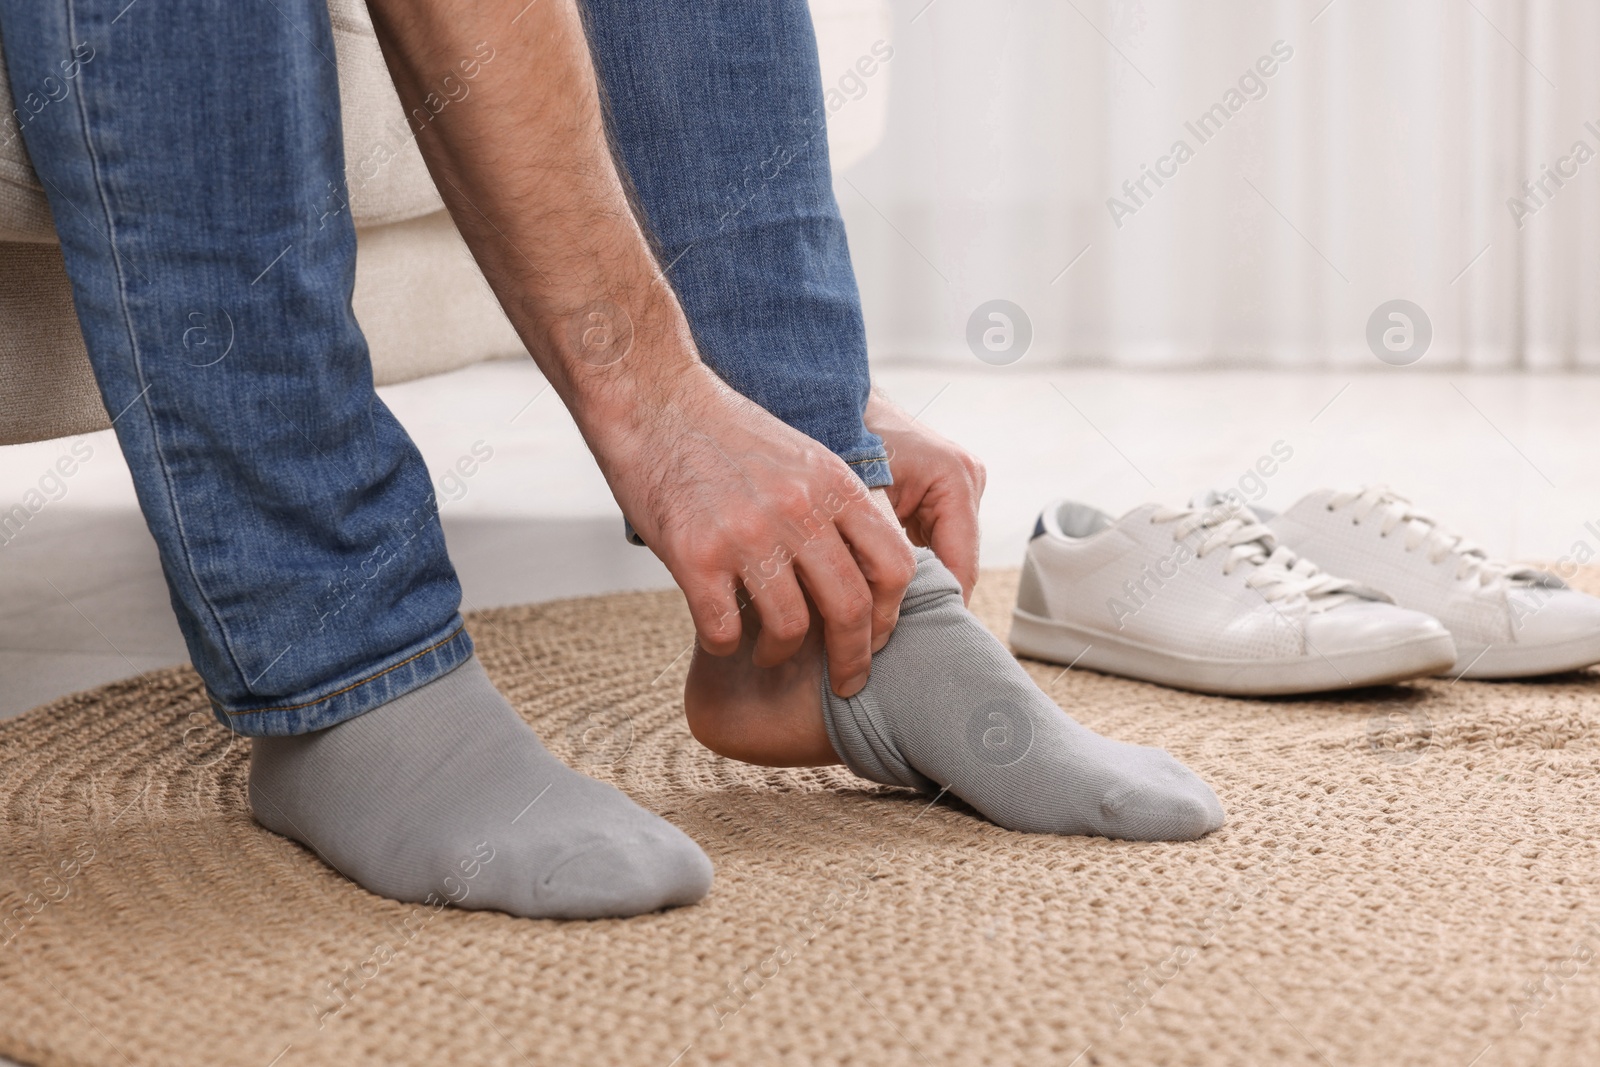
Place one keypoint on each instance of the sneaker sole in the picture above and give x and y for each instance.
(1058, 642)
(1486, 662)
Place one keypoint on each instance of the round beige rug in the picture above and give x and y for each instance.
(1409, 875)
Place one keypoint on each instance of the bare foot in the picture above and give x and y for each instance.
(770, 716)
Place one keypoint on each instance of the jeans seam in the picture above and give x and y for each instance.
(138, 364)
(353, 685)
(863, 462)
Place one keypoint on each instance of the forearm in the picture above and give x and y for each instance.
(519, 154)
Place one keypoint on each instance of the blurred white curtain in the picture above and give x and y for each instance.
(1376, 164)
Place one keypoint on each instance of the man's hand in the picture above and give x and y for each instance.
(937, 486)
(728, 496)
(505, 103)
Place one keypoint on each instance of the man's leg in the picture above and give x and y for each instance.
(191, 151)
(718, 113)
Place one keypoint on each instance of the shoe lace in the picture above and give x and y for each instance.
(1424, 531)
(1277, 573)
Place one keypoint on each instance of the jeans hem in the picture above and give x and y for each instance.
(873, 470)
(345, 698)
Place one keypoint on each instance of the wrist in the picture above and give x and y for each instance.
(613, 357)
(645, 396)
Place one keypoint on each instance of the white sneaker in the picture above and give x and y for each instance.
(1507, 621)
(1205, 598)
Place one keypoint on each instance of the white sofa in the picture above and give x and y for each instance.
(419, 297)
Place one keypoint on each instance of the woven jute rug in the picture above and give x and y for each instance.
(1409, 875)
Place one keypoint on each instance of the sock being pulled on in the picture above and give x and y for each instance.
(948, 706)
(446, 792)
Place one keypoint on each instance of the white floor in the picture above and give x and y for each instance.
(1502, 458)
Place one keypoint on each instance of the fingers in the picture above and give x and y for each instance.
(938, 506)
(884, 558)
(785, 616)
(953, 536)
(844, 600)
(714, 607)
(962, 539)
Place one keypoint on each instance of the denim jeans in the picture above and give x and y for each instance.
(187, 173)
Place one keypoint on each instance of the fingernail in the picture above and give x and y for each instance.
(853, 686)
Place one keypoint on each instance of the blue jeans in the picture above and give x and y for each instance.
(187, 172)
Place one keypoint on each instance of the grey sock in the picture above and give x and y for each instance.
(948, 706)
(446, 794)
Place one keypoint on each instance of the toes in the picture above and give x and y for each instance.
(628, 874)
(1154, 815)
(1172, 804)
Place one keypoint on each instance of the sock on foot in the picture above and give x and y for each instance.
(446, 791)
(948, 706)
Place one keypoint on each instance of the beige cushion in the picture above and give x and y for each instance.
(419, 297)
(387, 179)
(48, 389)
